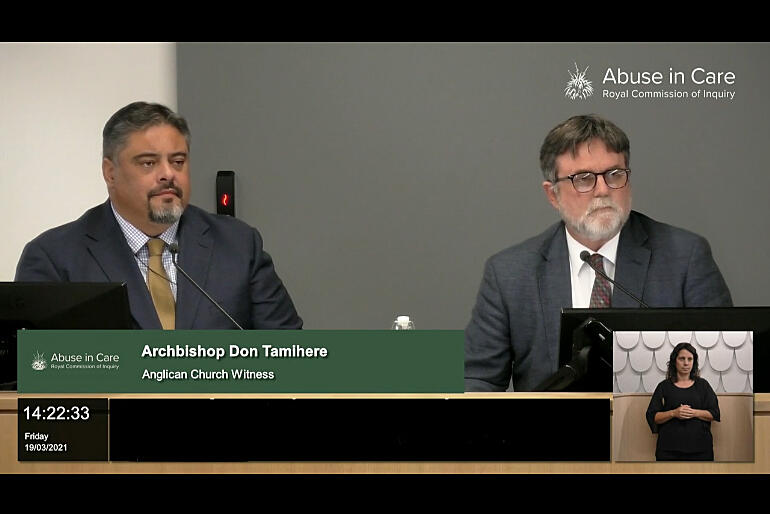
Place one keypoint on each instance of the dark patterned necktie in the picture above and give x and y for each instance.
(602, 292)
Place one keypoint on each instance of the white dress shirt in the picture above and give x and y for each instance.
(137, 241)
(582, 275)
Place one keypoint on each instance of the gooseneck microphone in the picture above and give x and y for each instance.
(174, 249)
(584, 256)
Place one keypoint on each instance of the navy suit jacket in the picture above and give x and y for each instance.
(224, 255)
(514, 328)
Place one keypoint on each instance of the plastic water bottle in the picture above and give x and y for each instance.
(403, 323)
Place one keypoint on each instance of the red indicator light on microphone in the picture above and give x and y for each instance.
(225, 199)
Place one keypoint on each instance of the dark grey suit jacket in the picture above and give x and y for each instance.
(514, 328)
(223, 255)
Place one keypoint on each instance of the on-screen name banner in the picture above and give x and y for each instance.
(253, 361)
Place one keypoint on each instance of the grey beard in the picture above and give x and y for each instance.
(166, 215)
(596, 232)
(592, 229)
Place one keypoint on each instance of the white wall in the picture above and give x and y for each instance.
(54, 101)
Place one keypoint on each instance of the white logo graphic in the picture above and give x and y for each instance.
(39, 363)
(578, 86)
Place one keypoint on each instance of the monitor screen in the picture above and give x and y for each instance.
(56, 305)
(755, 319)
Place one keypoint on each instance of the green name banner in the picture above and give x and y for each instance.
(227, 361)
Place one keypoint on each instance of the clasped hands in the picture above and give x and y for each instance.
(684, 412)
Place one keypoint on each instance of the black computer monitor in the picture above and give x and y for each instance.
(56, 305)
(755, 319)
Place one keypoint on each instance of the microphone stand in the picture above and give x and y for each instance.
(174, 249)
(591, 345)
(584, 256)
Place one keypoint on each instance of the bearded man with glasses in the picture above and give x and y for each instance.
(513, 334)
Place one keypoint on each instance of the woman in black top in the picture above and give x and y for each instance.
(682, 408)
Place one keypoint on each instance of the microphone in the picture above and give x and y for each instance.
(174, 249)
(591, 355)
(584, 255)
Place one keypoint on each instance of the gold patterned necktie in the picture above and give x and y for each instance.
(160, 288)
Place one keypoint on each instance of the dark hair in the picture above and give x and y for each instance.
(570, 134)
(671, 373)
(135, 117)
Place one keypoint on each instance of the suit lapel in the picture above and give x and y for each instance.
(110, 250)
(632, 263)
(195, 248)
(555, 288)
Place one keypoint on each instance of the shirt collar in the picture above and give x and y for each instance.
(609, 251)
(136, 239)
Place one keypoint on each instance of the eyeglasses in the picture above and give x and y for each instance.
(585, 181)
